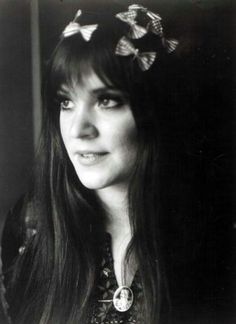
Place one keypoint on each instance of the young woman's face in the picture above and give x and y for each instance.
(99, 132)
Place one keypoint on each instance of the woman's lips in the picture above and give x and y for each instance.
(90, 158)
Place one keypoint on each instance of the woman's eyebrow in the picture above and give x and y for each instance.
(64, 89)
(104, 89)
(62, 92)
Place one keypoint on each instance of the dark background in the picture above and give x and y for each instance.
(16, 130)
(206, 31)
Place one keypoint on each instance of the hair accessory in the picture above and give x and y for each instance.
(136, 31)
(155, 27)
(78, 14)
(170, 44)
(123, 298)
(149, 13)
(126, 48)
(73, 28)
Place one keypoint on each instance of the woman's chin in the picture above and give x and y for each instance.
(93, 183)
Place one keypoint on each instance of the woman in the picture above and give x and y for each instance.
(88, 231)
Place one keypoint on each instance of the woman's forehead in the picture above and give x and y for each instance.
(88, 81)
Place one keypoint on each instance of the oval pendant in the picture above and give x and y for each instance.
(123, 298)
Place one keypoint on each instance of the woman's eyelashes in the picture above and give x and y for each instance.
(104, 102)
(109, 101)
(66, 104)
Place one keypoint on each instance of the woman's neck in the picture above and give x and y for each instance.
(114, 201)
(115, 204)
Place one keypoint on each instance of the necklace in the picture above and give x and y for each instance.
(123, 298)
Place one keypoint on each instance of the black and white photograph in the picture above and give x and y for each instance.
(117, 162)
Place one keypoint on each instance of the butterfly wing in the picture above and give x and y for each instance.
(153, 15)
(136, 7)
(137, 31)
(155, 27)
(71, 29)
(128, 16)
(145, 60)
(87, 31)
(170, 44)
(124, 47)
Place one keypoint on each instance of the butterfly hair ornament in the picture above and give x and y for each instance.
(150, 23)
(74, 27)
(136, 31)
(150, 14)
(125, 47)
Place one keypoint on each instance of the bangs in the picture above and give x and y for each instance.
(74, 59)
(70, 62)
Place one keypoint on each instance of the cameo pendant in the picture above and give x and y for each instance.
(123, 298)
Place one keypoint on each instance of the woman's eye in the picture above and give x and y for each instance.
(107, 102)
(66, 104)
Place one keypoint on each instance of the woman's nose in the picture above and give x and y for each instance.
(83, 123)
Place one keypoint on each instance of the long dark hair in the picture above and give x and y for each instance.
(63, 257)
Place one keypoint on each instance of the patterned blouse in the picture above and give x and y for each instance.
(102, 308)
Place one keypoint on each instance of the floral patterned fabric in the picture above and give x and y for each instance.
(102, 309)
